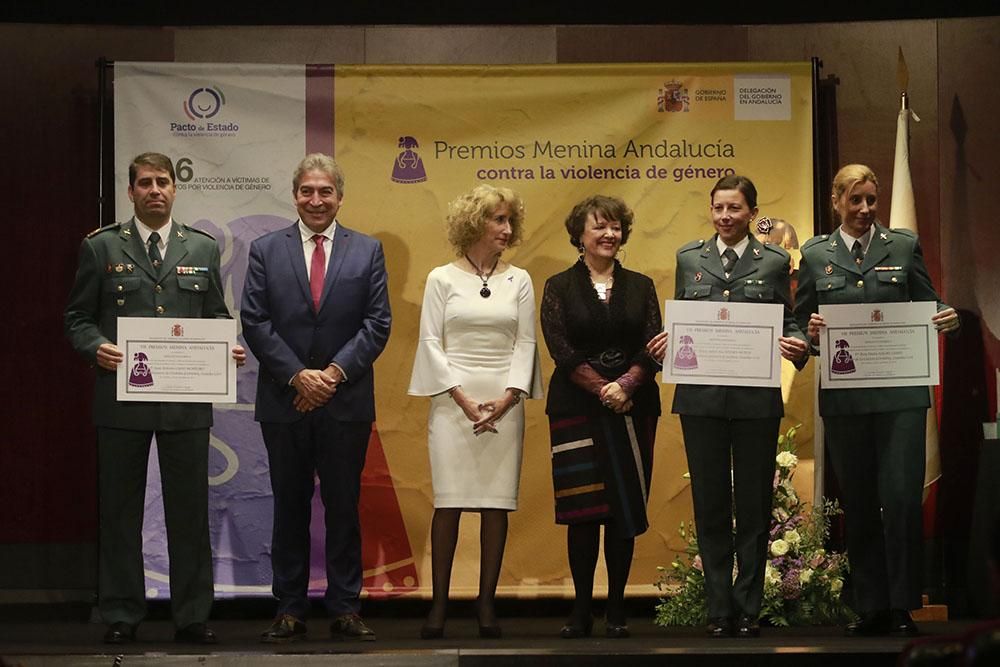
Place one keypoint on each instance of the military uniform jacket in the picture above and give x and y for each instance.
(760, 276)
(115, 278)
(893, 270)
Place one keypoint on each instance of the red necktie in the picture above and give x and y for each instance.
(317, 270)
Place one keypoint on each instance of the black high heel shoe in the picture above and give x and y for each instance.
(575, 630)
(490, 632)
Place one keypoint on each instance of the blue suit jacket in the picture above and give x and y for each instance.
(287, 334)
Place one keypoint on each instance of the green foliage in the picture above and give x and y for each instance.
(802, 582)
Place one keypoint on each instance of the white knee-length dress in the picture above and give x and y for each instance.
(485, 345)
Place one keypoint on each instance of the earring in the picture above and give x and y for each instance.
(579, 248)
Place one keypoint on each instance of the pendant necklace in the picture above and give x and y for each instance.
(485, 291)
(601, 288)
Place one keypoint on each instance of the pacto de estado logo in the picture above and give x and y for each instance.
(204, 103)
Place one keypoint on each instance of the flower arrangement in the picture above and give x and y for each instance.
(802, 581)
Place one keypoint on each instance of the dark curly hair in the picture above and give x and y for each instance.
(611, 208)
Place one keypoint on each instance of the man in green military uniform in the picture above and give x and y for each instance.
(150, 266)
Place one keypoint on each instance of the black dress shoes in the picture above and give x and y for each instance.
(350, 627)
(575, 629)
(119, 633)
(719, 626)
(901, 624)
(747, 626)
(873, 624)
(196, 633)
(285, 628)
(431, 632)
(615, 631)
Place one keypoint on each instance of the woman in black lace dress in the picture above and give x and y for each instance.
(603, 404)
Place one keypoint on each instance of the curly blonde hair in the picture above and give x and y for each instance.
(467, 215)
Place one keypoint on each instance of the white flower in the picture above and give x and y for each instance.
(805, 576)
(779, 547)
(792, 537)
(836, 585)
(786, 459)
(780, 514)
(771, 574)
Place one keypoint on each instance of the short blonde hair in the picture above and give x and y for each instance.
(845, 180)
(467, 215)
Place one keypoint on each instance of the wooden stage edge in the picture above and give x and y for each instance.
(526, 641)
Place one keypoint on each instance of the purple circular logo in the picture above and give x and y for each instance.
(204, 102)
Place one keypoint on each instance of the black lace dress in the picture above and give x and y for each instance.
(601, 461)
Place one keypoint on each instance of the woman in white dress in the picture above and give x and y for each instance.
(477, 359)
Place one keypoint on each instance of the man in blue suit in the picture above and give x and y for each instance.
(315, 312)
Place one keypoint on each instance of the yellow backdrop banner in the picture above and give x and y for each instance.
(411, 139)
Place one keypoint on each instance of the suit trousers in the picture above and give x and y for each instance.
(333, 450)
(123, 456)
(732, 459)
(879, 460)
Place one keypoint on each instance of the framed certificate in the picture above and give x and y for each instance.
(879, 345)
(177, 360)
(719, 342)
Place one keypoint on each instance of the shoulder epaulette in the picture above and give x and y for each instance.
(777, 249)
(692, 245)
(186, 228)
(905, 232)
(113, 226)
(814, 240)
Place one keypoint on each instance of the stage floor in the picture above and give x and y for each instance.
(526, 641)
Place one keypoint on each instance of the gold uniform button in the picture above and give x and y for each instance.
(725, 293)
(158, 288)
(894, 279)
(121, 288)
(159, 310)
(196, 287)
(829, 285)
(861, 283)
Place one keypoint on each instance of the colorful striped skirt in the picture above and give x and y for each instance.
(601, 468)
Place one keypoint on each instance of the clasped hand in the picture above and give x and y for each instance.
(484, 415)
(615, 399)
(315, 387)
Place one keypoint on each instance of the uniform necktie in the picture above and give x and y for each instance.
(317, 270)
(729, 260)
(858, 252)
(154, 250)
